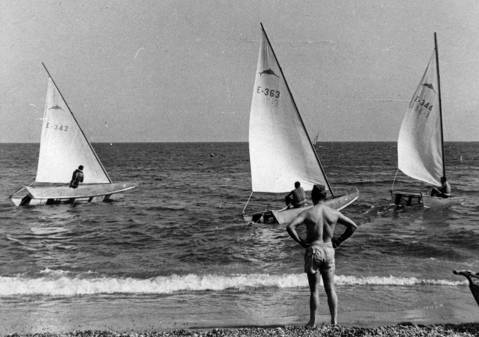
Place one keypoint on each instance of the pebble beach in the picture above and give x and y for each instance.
(399, 330)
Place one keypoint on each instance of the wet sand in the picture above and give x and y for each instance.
(399, 330)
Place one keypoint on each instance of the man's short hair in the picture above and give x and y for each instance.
(297, 184)
(318, 192)
(80, 167)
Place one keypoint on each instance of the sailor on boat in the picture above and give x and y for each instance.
(296, 198)
(443, 191)
(77, 177)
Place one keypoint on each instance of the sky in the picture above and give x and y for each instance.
(183, 71)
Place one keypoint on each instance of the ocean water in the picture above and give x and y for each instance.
(175, 252)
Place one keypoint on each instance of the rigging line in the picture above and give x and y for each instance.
(247, 202)
(394, 180)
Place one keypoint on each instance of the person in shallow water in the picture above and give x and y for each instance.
(320, 244)
(77, 177)
(443, 191)
(296, 198)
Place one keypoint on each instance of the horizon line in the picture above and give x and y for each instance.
(242, 142)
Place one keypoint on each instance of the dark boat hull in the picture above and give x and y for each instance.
(57, 194)
(284, 216)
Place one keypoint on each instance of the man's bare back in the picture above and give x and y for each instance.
(320, 222)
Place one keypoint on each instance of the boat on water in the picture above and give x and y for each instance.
(420, 143)
(316, 140)
(280, 149)
(63, 147)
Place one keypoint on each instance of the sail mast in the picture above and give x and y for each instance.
(79, 127)
(297, 111)
(440, 105)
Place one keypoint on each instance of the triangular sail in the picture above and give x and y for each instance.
(419, 142)
(279, 147)
(63, 146)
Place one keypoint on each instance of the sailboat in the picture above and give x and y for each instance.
(280, 149)
(420, 143)
(316, 140)
(63, 147)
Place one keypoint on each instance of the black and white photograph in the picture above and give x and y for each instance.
(245, 168)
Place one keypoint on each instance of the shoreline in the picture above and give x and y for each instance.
(405, 329)
(263, 308)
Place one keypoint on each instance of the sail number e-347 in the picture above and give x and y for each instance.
(58, 127)
(268, 92)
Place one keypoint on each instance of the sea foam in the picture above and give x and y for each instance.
(75, 286)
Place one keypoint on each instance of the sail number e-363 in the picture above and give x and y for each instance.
(268, 92)
(57, 127)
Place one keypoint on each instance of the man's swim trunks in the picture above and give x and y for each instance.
(319, 258)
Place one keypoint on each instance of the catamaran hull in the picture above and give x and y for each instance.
(284, 216)
(407, 198)
(40, 202)
(410, 198)
(51, 195)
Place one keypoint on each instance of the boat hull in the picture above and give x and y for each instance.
(60, 194)
(435, 202)
(284, 216)
(403, 198)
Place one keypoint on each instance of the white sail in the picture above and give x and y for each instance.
(279, 147)
(419, 142)
(63, 146)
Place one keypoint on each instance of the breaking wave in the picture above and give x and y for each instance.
(61, 285)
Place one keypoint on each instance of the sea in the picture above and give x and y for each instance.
(176, 253)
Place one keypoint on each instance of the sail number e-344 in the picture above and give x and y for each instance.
(58, 127)
(422, 102)
(268, 92)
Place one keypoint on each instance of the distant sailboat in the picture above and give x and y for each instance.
(316, 140)
(63, 147)
(280, 149)
(421, 141)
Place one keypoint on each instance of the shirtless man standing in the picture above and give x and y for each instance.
(320, 222)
